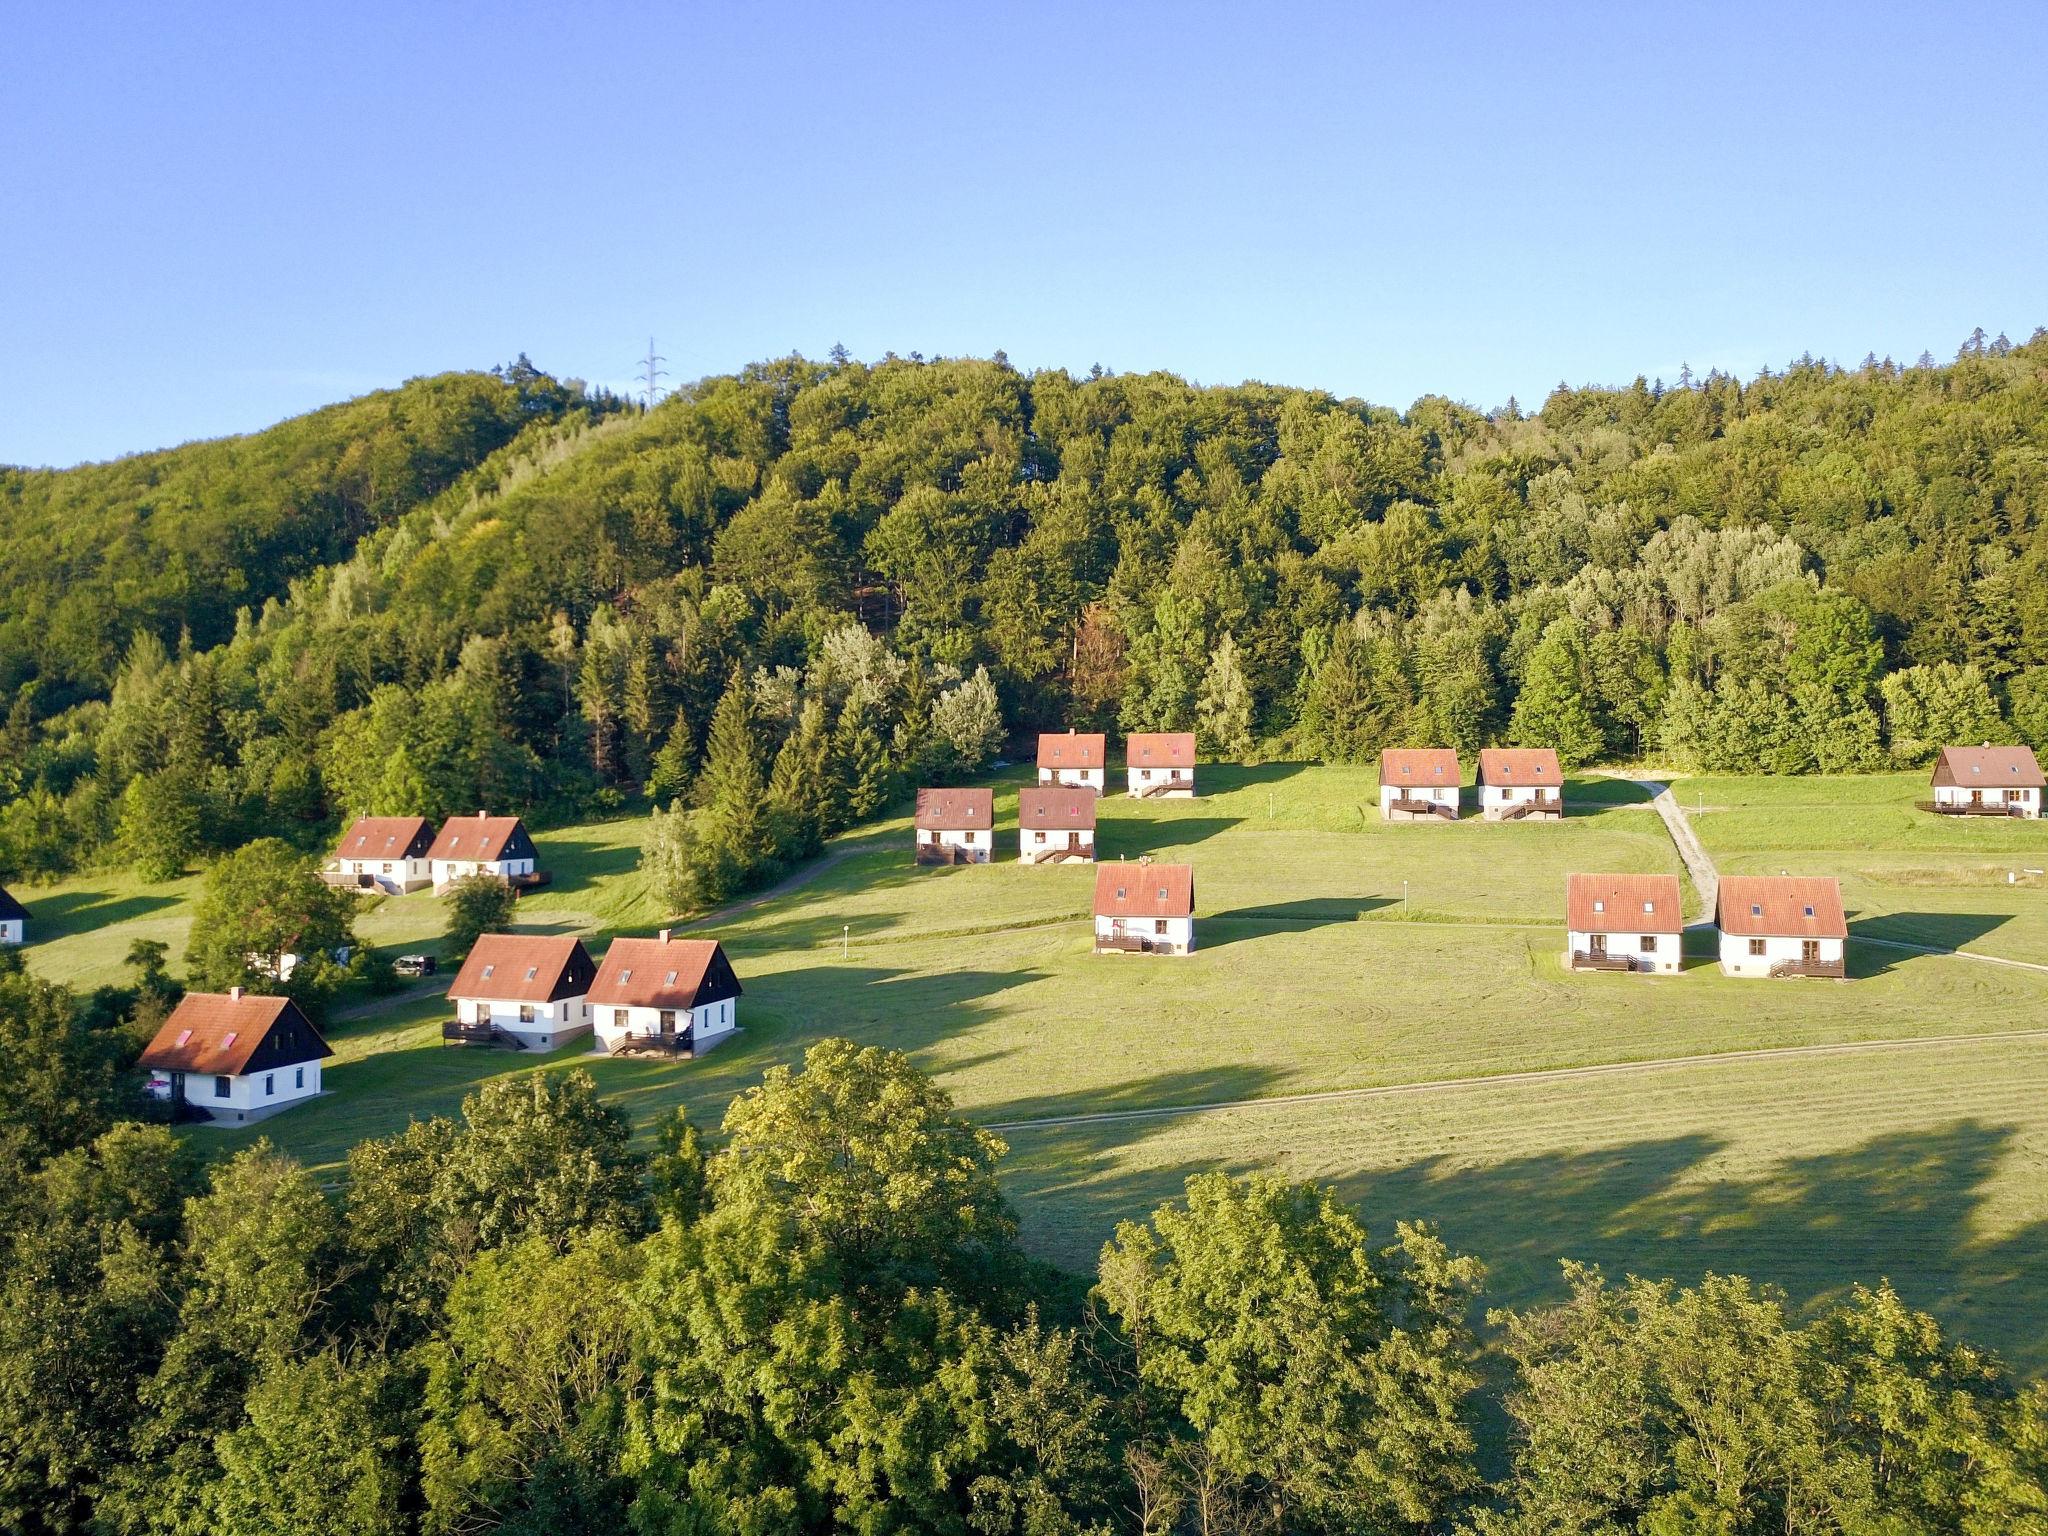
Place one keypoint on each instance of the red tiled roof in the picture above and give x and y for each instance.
(386, 837)
(1069, 749)
(481, 838)
(1622, 904)
(525, 968)
(1420, 768)
(1160, 749)
(956, 810)
(1144, 890)
(663, 973)
(217, 1032)
(1056, 808)
(1781, 906)
(1988, 768)
(1519, 767)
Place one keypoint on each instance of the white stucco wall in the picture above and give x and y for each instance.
(1666, 957)
(1736, 959)
(550, 1025)
(12, 931)
(1436, 795)
(393, 875)
(249, 1096)
(1500, 796)
(1180, 931)
(980, 841)
(1072, 778)
(1183, 788)
(709, 1025)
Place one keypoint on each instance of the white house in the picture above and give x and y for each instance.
(1160, 765)
(1518, 782)
(1781, 925)
(674, 996)
(1056, 825)
(956, 826)
(1072, 758)
(13, 920)
(1988, 781)
(1144, 908)
(385, 853)
(235, 1056)
(530, 991)
(1419, 784)
(482, 845)
(1623, 923)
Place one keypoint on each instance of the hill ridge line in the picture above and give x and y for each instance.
(1513, 1079)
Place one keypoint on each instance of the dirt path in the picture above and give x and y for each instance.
(1705, 878)
(1516, 1079)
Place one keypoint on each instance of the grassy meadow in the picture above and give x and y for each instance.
(1341, 953)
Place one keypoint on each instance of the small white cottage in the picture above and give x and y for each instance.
(1160, 765)
(1419, 784)
(482, 845)
(1623, 923)
(955, 826)
(1988, 781)
(1144, 908)
(1519, 782)
(13, 920)
(1072, 758)
(1055, 825)
(1781, 925)
(529, 991)
(669, 996)
(385, 853)
(235, 1056)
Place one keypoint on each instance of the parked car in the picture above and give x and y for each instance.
(414, 965)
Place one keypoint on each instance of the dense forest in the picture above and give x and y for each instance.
(819, 1319)
(498, 590)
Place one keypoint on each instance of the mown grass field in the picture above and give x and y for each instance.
(1340, 953)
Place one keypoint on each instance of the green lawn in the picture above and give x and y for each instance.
(1338, 952)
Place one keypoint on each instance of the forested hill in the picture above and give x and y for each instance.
(497, 593)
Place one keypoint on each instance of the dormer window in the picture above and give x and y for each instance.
(1599, 906)
(1162, 893)
(488, 971)
(1756, 909)
(1649, 906)
(625, 976)
(227, 1040)
(671, 979)
(532, 971)
(1809, 911)
(184, 1035)
(1119, 893)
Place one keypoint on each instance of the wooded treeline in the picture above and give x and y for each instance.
(523, 598)
(819, 1320)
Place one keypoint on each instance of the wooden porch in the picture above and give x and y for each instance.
(455, 1032)
(1548, 810)
(674, 1047)
(1165, 787)
(945, 853)
(1587, 960)
(1831, 970)
(1403, 806)
(1971, 808)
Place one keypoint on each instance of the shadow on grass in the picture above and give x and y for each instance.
(1900, 1206)
(579, 866)
(1930, 930)
(63, 913)
(1118, 837)
(1242, 923)
(1222, 778)
(1598, 796)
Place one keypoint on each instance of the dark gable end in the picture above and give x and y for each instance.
(719, 982)
(288, 1041)
(519, 845)
(577, 975)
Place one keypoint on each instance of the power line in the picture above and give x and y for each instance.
(651, 371)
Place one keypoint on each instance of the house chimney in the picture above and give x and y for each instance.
(664, 935)
(234, 994)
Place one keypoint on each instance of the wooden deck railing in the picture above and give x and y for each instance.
(1408, 807)
(1516, 810)
(1965, 808)
(653, 1045)
(1586, 960)
(480, 1034)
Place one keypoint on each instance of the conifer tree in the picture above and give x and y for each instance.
(1223, 708)
(1552, 710)
(800, 787)
(735, 840)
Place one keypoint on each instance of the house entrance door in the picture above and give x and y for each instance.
(1809, 951)
(1599, 943)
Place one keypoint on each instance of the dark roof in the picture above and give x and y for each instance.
(1518, 767)
(1056, 808)
(663, 972)
(1420, 768)
(1988, 768)
(1622, 904)
(1781, 906)
(1144, 890)
(956, 810)
(525, 968)
(1160, 749)
(386, 837)
(10, 909)
(218, 1032)
(483, 839)
(1071, 749)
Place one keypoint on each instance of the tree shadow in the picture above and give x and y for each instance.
(1129, 837)
(1242, 923)
(1930, 930)
(67, 912)
(578, 865)
(1222, 778)
(1104, 1118)
(1599, 796)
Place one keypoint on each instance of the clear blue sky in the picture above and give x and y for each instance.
(217, 216)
